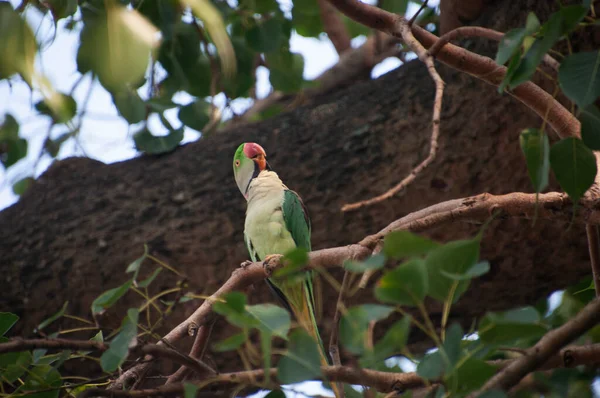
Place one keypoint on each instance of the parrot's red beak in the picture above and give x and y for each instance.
(256, 153)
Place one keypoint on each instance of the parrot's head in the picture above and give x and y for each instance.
(249, 160)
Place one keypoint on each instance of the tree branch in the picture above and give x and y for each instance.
(594, 248)
(544, 349)
(334, 27)
(197, 351)
(16, 345)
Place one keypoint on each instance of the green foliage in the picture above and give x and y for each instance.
(149, 143)
(301, 361)
(372, 263)
(574, 166)
(536, 148)
(511, 326)
(355, 322)
(406, 285)
(114, 357)
(110, 297)
(590, 127)
(12, 147)
(400, 244)
(579, 77)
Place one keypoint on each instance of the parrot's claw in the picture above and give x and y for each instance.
(271, 262)
(245, 264)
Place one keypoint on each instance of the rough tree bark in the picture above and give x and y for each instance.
(72, 235)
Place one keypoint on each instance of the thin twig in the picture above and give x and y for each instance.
(334, 349)
(414, 17)
(16, 345)
(594, 248)
(197, 351)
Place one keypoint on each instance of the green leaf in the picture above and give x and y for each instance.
(271, 319)
(146, 282)
(473, 272)
(393, 342)
(110, 297)
(590, 127)
(471, 375)
(116, 354)
(195, 115)
(12, 148)
(21, 186)
(53, 145)
(154, 145)
(302, 361)
(408, 284)
(431, 367)
(17, 47)
(306, 18)
(188, 68)
(510, 44)
(355, 322)
(53, 318)
(14, 364)
(395, 6)
(294, 261)
(579, 77)
(286, 71)
(43, 377)
(265, 36)
(230, 343)
(130, 105)
(7, 321)
(574, 166)
(116, 46)
(189, 390)
(65, 111)
(452, 343)
(572, 16)
(374, 262)
(245, 77)
(136, 264)
(536, 148)
(400, 244)
(511, 326)
(457, 258)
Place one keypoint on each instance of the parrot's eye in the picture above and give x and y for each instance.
(237, 163)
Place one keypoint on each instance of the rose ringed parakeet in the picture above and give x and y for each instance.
(276, 222)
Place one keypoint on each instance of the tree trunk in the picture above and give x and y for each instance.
(73, 234)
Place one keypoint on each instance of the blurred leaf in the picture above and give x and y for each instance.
(302, 361)
(188, 68)
(572, 16)
(265, 36)
(306, 18)
(473, 272)
(579, 77)
(117, 47)
(137, 263)
(14, 364)
(374, 262)
(231, 343)
(471, 374)
(7, 321)
(53, 145)
(146, 282)
(195, 114)
(395, 6)
(574, 166)
(244, 79)
(493, 394)
(12, 148)
(63, 112)
(53, 318)
(154, 145)
(406, 285)
(536, 148)
(294, 261)
(22, 185)
(431, 367)
(271, 319)
(393, 342)
(110, 297)
(118, 350)
(511, 326)
(452, 343)
(130, 105)
(213, 23)
(400, 244)
(189, 390)
(61, 8)
(286, 71)
(355, 322)
(590, 127)
(512, 41)
(17, 47)
(234, 302)
(163, 14)
(455, 257)
(42, 377)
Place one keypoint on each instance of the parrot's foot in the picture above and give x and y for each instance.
(271, 262)
(245, 264)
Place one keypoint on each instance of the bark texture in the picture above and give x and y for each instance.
(73, 234)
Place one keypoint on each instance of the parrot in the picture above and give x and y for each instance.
(277, 222)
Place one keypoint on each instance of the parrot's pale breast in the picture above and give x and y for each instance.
(265, 225)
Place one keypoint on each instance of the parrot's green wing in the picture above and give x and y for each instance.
(296, 219)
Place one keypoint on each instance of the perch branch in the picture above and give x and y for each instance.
(548, 345)
(197, 351)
